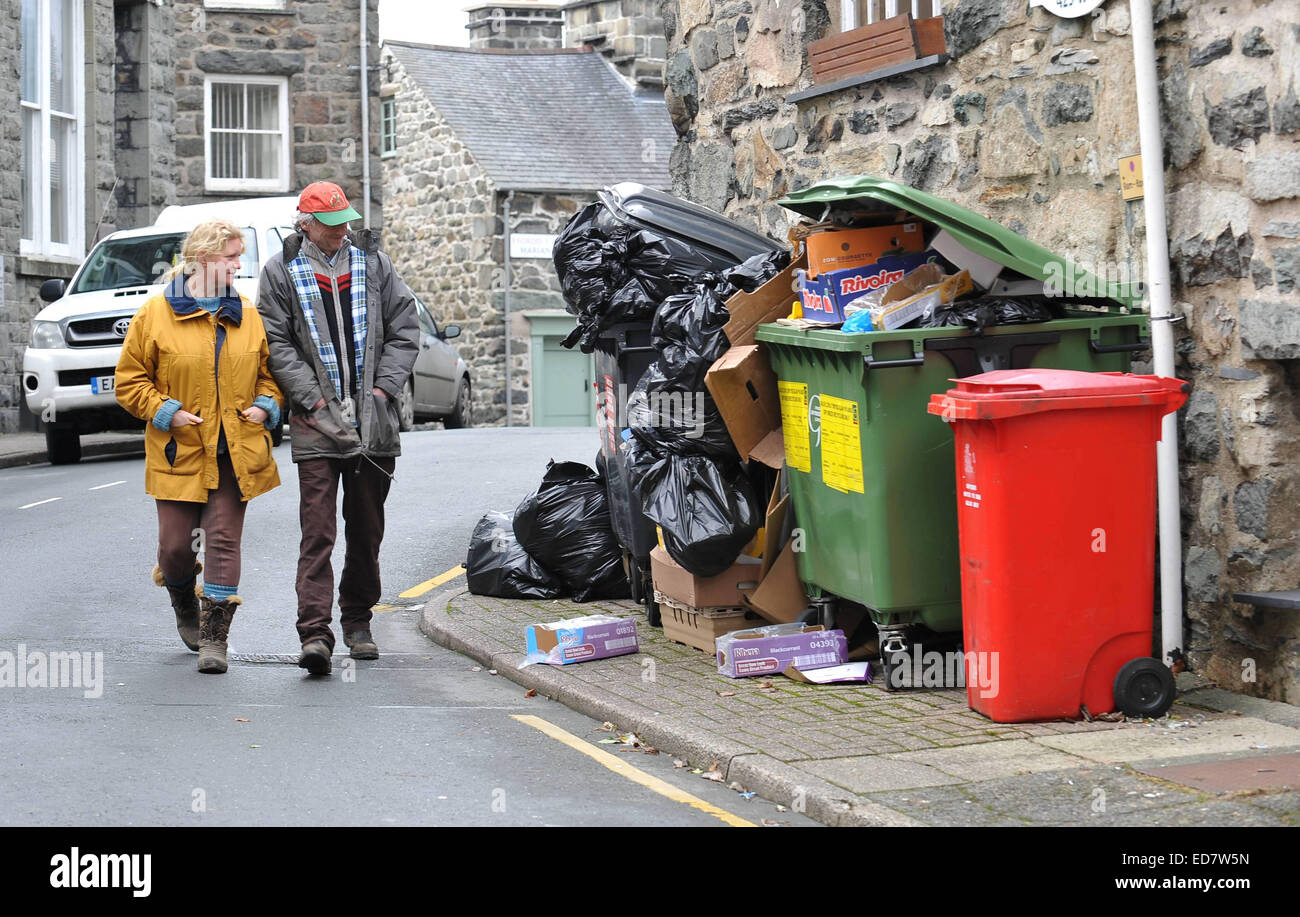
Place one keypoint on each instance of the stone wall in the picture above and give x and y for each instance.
(534, 27)
(440, 234)
(315, 44)
(22, 276)
(1026, 124)
(144, 108)
(629, 32)
(446, 234)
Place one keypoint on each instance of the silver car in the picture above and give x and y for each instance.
(439, 388)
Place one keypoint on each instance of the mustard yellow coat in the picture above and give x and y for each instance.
(168, 353)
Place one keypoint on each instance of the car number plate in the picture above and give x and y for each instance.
(101, 385)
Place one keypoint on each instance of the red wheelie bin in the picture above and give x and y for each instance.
(1056, 510)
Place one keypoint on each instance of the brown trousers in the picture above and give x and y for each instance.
(216, 526)
(365, 488)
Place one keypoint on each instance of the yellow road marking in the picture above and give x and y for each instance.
(434, 583)
(636, 775)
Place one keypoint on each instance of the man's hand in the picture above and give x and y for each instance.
(320, 403)
(379, 391)
(184, 419)
(255, 414)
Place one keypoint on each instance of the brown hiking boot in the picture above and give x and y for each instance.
(214, 628)
(315, 657)
(185, 603)
(361, 644)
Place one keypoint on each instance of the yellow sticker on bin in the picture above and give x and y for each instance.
(794, 424)
(841, 445)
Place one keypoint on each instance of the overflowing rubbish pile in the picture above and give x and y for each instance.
(763, 424)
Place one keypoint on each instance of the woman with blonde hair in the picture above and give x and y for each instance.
(194, 366)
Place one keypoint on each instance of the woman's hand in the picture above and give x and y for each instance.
(184, 418)
(255, 414)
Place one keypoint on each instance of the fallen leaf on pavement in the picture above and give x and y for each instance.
(240, 719)
(531, 692)
(606, 727)
(630, 739)
(714, 776)
(608, 742)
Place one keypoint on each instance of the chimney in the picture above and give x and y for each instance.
(628, 32)
(530, 26)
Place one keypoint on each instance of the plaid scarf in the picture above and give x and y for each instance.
(304, 283)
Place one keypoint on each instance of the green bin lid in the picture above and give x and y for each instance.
(978, 233)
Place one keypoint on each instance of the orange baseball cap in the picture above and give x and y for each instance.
(327, 202)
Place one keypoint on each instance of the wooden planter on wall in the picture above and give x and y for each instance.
(874, 47)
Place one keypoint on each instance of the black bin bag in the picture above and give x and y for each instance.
(498, 565)
(708, 510)
(566, 526)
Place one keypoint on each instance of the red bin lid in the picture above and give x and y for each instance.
(1008, 392)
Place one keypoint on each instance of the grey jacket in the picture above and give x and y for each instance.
(392, 343)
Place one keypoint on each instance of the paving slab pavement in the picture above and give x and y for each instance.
(852, 754)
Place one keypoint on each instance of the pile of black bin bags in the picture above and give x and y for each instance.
(559, 542)
(684, 469)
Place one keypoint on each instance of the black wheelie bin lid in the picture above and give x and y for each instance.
(865, 194)
(646, 208)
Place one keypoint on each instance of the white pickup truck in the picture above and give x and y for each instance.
(71, 358)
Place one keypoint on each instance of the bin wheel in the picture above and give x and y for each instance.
(1144, 687)
(892, 643)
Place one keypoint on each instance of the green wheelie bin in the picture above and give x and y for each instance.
(870, 472)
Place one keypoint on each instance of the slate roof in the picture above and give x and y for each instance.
(545, 120)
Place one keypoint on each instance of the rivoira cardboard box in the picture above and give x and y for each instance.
(771, 650)
(580, 639)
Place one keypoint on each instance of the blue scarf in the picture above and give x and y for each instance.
(304, 282)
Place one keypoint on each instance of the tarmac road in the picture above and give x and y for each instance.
(415, 738)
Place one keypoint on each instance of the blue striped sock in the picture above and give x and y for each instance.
(219, 593)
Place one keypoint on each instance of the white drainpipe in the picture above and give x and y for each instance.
(1162, 333)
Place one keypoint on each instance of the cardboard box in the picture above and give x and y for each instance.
(844, 248)
(771, 650)
(908, 300)
(700, 630)
(743, 387)
(766, 304)
(721, 591)
(824, 298)
(779, 597)
(580, 640)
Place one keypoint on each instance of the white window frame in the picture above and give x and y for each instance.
(75, 164)
(387, 127)
(280, 184)
(849, 12)
(243, 4)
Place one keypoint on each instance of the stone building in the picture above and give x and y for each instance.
(1024, 117)
(119, 108)
(480, 136)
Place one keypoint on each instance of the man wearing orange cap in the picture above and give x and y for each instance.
(343, 339)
